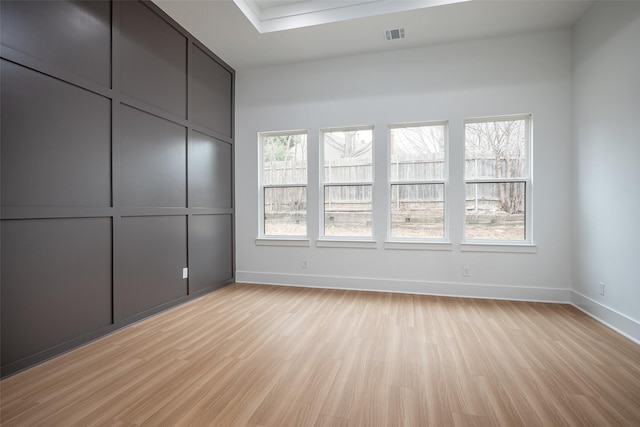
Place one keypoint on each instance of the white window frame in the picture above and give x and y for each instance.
(346, 241)
(501, 245)
(442, 243)
(279, 239)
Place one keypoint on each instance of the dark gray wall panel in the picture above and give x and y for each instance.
(97, 122)
(153, 160)
(56, 142)
(154, 252)
(153, 58)
(209, 172)
(56, 282)
(210, 250)
(211, 90)
(75, 36)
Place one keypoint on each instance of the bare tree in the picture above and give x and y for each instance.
(424, 139)
(349, 146)
(501, 143)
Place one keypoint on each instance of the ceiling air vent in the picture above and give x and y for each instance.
(398, 33)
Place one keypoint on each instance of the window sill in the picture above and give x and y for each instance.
(418, 246)
(524, 248)
(363, 244)
(266, 241)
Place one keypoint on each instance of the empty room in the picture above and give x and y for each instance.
(319, 213)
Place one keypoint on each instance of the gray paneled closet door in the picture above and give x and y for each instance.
(56, 141)
(153, 57)
(153, 164)
(56, 282)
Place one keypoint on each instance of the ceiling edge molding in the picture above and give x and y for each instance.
(317, 12)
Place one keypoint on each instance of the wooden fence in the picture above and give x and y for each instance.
(403, 196)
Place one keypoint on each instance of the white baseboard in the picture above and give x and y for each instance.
(615, 320)
(466, 290)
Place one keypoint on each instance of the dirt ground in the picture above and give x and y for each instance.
(485, 228)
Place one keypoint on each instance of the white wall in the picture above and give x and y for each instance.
(520, 74)
(606, 62)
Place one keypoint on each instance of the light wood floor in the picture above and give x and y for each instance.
(251, 355)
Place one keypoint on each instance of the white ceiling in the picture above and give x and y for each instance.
(223, 28)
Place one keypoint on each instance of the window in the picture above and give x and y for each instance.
(417, 156)
(497, 178)
(284, 184)
(347, 181)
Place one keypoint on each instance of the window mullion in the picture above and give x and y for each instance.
(283, 185)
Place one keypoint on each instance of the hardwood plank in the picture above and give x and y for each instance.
(262, 356)
(325, 421)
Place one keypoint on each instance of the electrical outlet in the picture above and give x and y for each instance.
(601, 288)
(305, 264)
(185, 273)
(465, 272)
